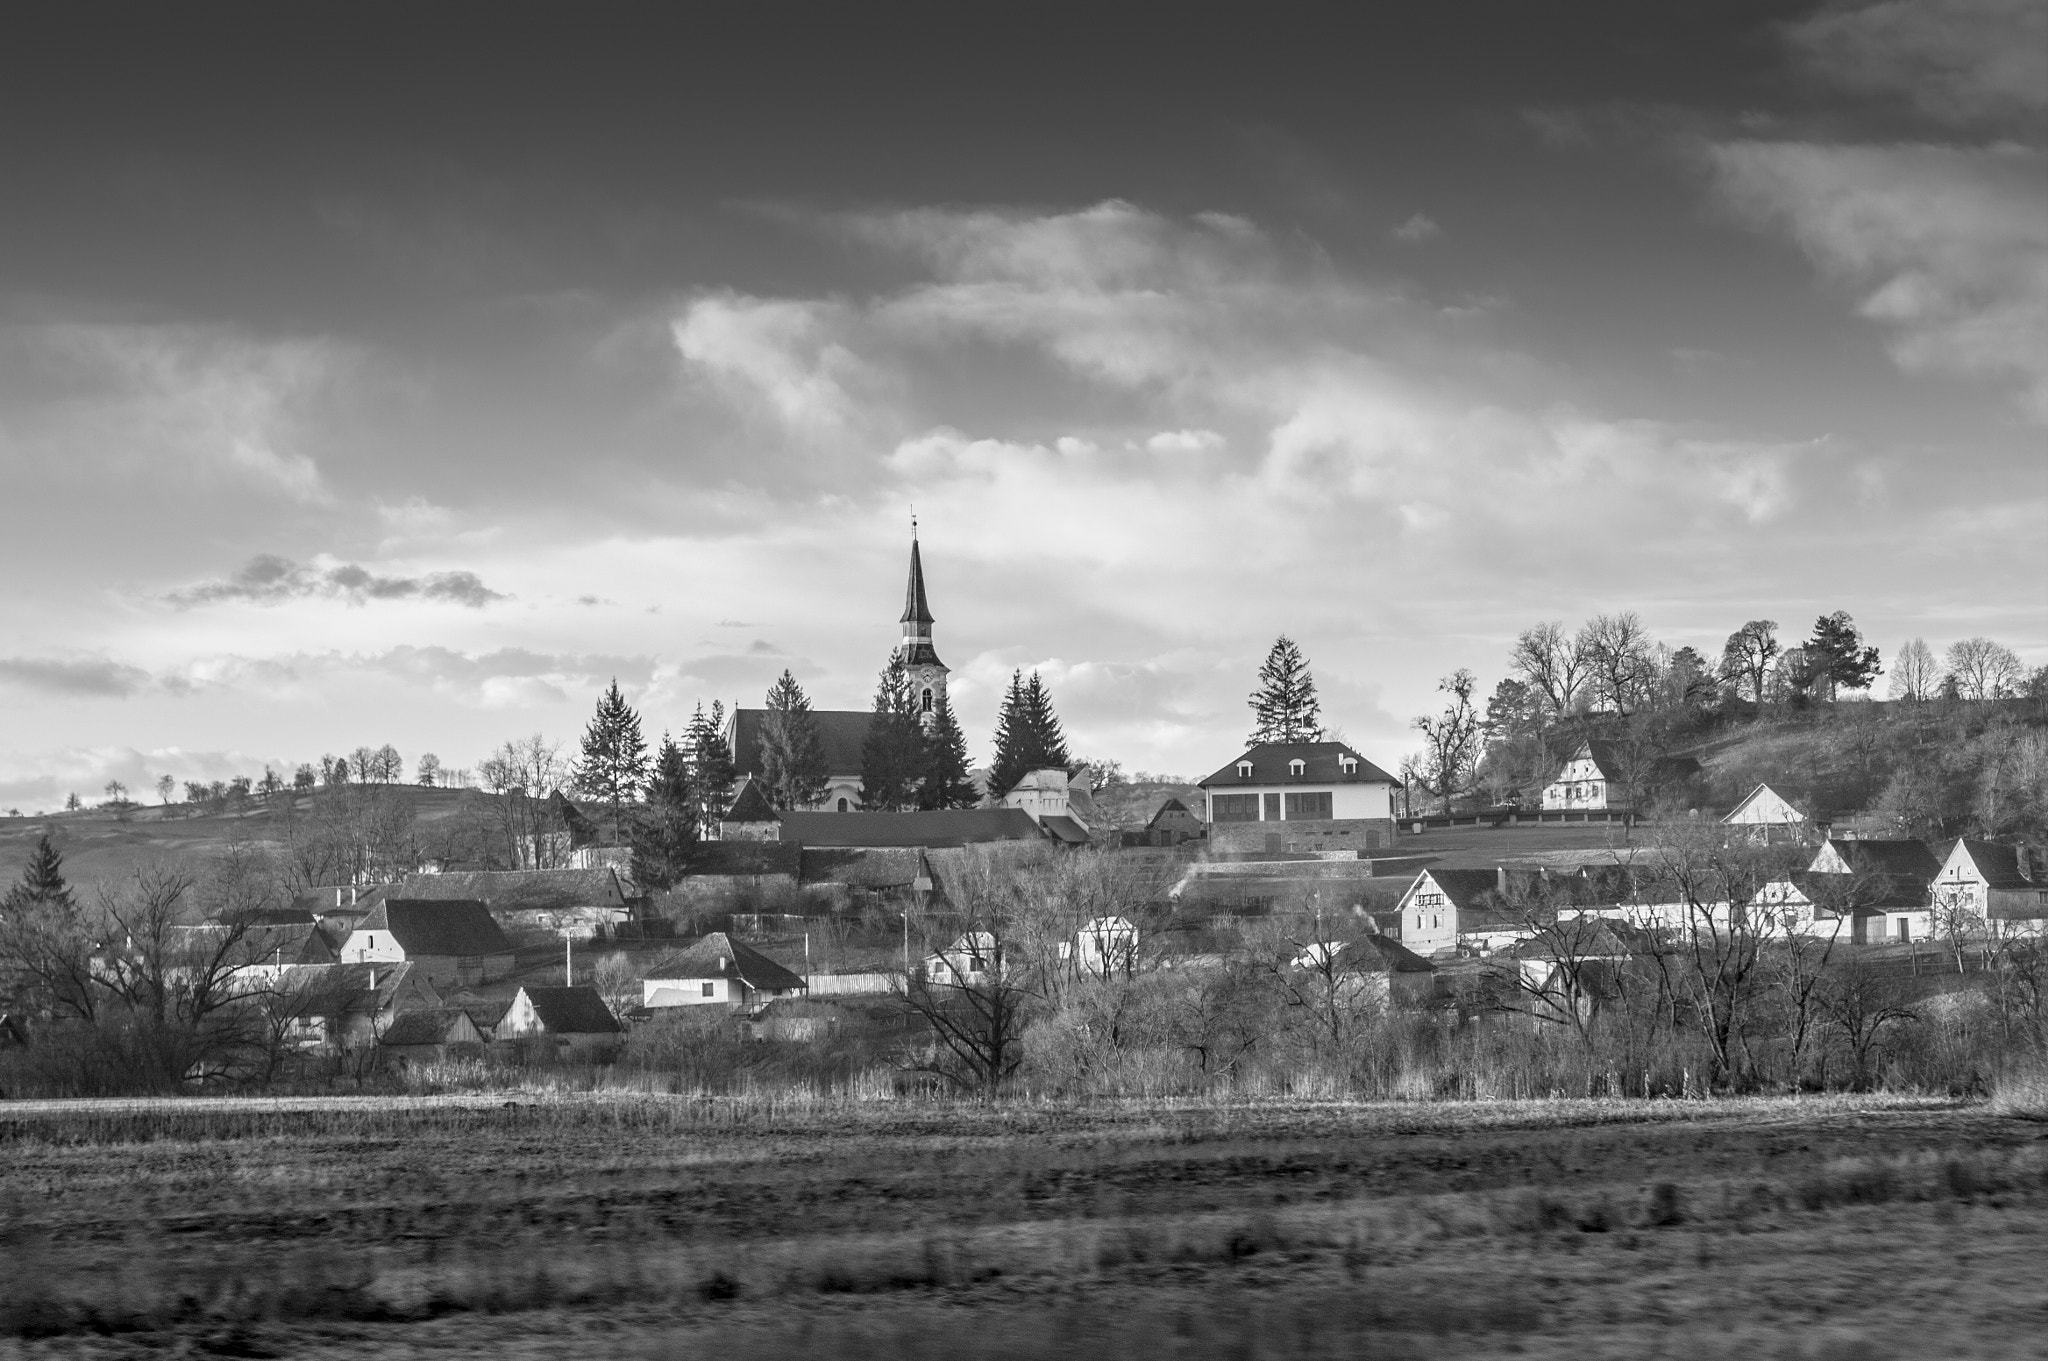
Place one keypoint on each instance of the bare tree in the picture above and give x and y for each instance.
(1549, 661)
(1451, 739)
(165, 787)
(1719, 944)
(1620, 660)
(1916, 675)
(1863, 1003)
(1983, 669)
(1748, 656)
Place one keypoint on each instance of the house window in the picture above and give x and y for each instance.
(1234, 807)
(1272, 808)
(1244, 770)
(710, 989)
(1297, 766)
(1347, 764)
(1308, 805)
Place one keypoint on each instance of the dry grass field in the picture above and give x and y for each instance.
(619, 1225)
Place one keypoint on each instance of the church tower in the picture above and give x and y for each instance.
(927, 672)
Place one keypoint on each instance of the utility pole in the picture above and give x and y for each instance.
(568, 961)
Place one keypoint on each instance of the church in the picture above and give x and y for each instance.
(844, 732)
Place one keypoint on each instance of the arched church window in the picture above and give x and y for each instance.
(927, 699)
(842, 805)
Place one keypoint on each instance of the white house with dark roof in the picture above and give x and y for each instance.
(1590, 781)
(1992, 883)
(1300, 796)
(573, 1019)
(718, 971)
(1765, 808)
(448, 942)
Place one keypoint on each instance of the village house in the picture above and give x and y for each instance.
(1374, 968)
(965, 963)
(1061, 804)
(450, 943)
(1766, 815)
(1590, 781)
(1885, 886)
(1994, 884)
(1172, 825)
(431, 1033)
(718, 971)
(1571, 966)
(335, 1007)
(1300, 796)
(577, 904)
(1103, 946)
(575, 1020)
(750, 816)
(1446, 908)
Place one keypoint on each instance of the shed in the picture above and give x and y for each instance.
(576, 1019)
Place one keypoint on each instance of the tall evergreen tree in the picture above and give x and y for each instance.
(792, 752)
(892, 758)
(1028, 734)
(945, 783)
(711, 763)
(1285, 707)
(42, 880)
(666, 834)
(614, 764)
(1837, 657)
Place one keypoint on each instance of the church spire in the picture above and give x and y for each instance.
(915, 610)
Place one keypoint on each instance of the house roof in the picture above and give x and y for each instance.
(1270, 765)
(1384, 954)
(1884, 874)
(459, 927)
(1999, 866)
(750, 805)
(572, 1010)
(518, 890)
(841, 735)
(432, 1025)
(345, 989)
(1468, 890)
(735, 859)
(1757, 793)
(1064, 829)
(1898, 858)
(1169, 808)
(948, 828)
(718, 955)
(1579, 938)
(882, 867)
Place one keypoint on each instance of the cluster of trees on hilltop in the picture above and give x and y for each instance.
(1953, 755)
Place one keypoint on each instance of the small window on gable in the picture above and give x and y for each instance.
(1244, 770)
(1296, 766)
(1347, 764)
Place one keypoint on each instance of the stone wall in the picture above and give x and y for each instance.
(1317, 834)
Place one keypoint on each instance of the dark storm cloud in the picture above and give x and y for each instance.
(93, 678)
(269, 579)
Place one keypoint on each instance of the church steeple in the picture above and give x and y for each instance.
(927, 672)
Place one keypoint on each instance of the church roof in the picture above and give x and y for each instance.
(949, 828)
(841, 732)
(915, 610)
(751, 805)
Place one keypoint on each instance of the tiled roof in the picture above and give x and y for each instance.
(518, 890)
(1383, 954)
(951, 827)
(457, 927)
(750, 805)
(725, 859)
(702, 959)
(1270, 764)
(438, 1025)
(2000, 865)
(572, 1011)
(842, 733)
(883, 867)
(1065, 830)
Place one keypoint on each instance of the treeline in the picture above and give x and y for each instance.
(1955, 752)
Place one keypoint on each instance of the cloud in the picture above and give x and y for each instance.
(1961, 61)
(784, 354)
(269, 579)
(88, 678)
(183, 400)
(1417, 229)
(1947, 247)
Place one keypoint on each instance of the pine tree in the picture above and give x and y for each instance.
(42, 881)
(945, 783)
(711, 764)
(614, 764)
(792, 752)
(1028, 735)
(892, 757)
(1284, 707)
(665, 836)
(1839, 658)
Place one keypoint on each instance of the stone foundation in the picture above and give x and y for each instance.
(1318, 834)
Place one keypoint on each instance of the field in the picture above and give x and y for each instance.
(631, 1226)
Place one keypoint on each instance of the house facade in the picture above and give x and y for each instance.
(1766, 815)
(1993, 883)
(575, 1020)
(718, 971)
(1445, 908)
(1885, 886)
(1589, 782)
(1300, 796)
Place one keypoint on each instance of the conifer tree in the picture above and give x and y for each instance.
(711, 764)
(1285, 707)
(42, 881)
(892, 757)
(945, 783)
(1028, 734)
(666, 835)
(614, 763)
(792, 752)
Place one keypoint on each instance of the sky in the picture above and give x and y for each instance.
(398, 373)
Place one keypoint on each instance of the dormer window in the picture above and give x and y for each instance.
(1244, 770)
(1348, 764)
(1296, 766)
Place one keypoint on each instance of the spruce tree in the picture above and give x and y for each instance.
(1028, 735)
(42, 881)
(1284, 707)
(711, 764)
(792, 752)
(1840, 660)
(614, 763)
(665, 836)
(892, 757)
(945, 783)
